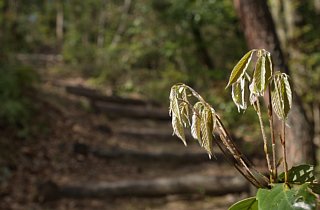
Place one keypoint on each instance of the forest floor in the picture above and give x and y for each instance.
(58, 153)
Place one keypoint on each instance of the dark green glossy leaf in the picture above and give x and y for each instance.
(245, 204)
(281, 197)
(240, 68)
(299, 174)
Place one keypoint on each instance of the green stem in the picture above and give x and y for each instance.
(283, 142)
(270, 115)
(265, 142)
(242, 164)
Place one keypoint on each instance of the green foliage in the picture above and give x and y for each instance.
(240, 68)
(281, 197)
(245, 204)
(200, 116)
(293, 189)
(15, 107)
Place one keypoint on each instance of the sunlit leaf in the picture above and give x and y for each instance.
(184, 113)
(178, 129)
(276, 98)
(239, 94)
(206, 130)
(240, 68)
(174, 104)
(268, 66)
(259, 77)
(245, 204)
(236, 94)
(214, 119)
(196, 123)
(287, 94)
(281, 95)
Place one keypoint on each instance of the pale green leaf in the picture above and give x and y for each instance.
(239, 94)
(184, 113)
(178, 129)
(281, 95)
(240, 68)
(214, 119)
(276, 98)
(236, 94)
(195, 127)
(269, 68)
(206, 130)
(287, 95)
(259, 76)
(174, 104)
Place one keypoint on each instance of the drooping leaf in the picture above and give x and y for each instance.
(206, 130)
(174, 104)
(276, 98)
(281, 197)
(259, 77)
(196, 122)
(239, 94)
(268, 66)
(178, 129)
(245, 204)
(240, 68)
(214, 119)
(236, 94)
(287, 94)
(299, 174)
(184, 113)
(281, 95)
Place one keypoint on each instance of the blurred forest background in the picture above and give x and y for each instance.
(133, 49)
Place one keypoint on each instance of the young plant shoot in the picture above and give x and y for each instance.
(252, 78)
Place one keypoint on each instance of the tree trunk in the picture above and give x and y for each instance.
(260, 32)
(59, 24)
(201, 46)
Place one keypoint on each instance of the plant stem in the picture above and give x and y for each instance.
(241, 163)
(283, 142)
(270, 115)
(265, 142)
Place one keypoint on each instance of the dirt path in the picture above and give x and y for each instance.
(63, 154)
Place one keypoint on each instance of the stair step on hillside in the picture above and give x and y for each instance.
(146, 156)
(187, 184)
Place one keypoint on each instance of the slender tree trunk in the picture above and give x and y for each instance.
(59, 24)
(201, 45)
(260, 32)
(122, 24)
(102, 24)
